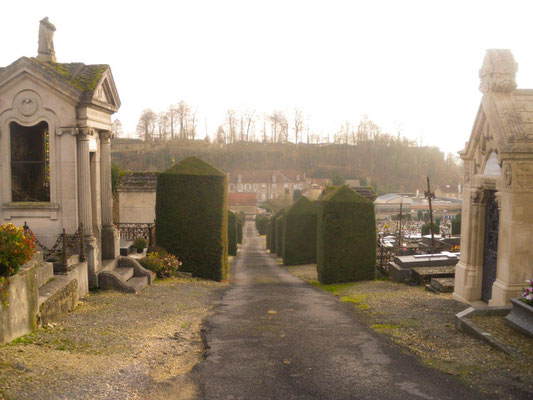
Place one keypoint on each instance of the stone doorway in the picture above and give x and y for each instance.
(490, 248)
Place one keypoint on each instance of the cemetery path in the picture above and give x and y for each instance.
(275, 337)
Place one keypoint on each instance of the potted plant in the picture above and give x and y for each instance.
(140, 243)
(521, 315)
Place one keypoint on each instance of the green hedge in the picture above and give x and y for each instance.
(268, 234)
(232, 233)
(456, 225)
(192, 217)
(425, 229)
(299, 233)
(273, 232)
(241, 219)
(261, 222)
(280, 222)
(346, 237)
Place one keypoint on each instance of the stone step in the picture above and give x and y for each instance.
(57, 297)
(138, 283)
(425, 274)
(443, 285)
(125, 273)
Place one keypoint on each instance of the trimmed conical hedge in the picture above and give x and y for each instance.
(273, 232)
(192, 217)
(261, 222)
(268, 234)
(346, 237)
(241, 219)
(280, 222)
(299, 233)
(232, 233)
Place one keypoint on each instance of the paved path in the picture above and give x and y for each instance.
(275, 337)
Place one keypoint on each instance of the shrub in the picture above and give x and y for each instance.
(268, 234)
(299, 233)
(16, 248)
(164, 266)
(346, 237)
(140, 243)
(232, 233)
(280, 222)
(192, 217)
(240, 227)
(456, 225)
(157, 249)
(261, 222)
(425, 229)
(273, 231)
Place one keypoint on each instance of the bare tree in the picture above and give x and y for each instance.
(298, 124)
(249, 117)
(231, 122)
(221, 135)
(182, 113)
(146, 125)
(172, 118)
(193, 123)
(163, 122)
(116, 128)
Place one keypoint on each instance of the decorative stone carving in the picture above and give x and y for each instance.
(508, 175)
(498, 72)
(85, 131)
(67, 130)
(524, 176)
(46, 50)
(466, 167)
(27, 102)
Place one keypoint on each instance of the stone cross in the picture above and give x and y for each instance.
(46, 41)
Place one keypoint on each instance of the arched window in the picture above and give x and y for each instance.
(30, 162)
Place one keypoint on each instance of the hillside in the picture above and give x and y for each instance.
(389, 166)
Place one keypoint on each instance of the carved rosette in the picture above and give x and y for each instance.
(524, 176)
(27, 103)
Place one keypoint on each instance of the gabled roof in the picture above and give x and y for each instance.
(242, 199)
(87, 83)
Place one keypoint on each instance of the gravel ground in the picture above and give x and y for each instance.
(423, 322)
(114, 346)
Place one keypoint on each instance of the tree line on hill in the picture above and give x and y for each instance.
(387, 165)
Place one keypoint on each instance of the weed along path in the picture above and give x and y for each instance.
(275, 337)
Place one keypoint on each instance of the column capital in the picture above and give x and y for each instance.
(83, 132)
(105, 135)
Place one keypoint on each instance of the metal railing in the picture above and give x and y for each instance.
(131, 231)
(65, 246)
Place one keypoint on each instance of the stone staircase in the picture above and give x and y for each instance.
(124, 274)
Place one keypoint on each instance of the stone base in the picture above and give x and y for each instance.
(92, 255)
(521, 317)
(467, 286)
(502, 293)
(110, 243)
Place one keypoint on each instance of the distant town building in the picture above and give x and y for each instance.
(243, 202)
(266, 184)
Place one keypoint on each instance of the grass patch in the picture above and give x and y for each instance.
(335, 288)
(26, 339)
(393, 330)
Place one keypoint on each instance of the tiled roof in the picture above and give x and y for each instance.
(258, 176)
(242, 199)
(81, 76)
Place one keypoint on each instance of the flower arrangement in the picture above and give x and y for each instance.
(527, 295)
(16, 248)
(164, 265)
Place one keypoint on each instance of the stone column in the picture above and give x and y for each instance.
(110, 236)
(85, 204)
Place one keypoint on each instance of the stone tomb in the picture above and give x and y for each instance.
(401, 269)
(55, 155)
(497, 208)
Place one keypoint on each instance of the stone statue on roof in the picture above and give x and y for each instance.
(46, 41)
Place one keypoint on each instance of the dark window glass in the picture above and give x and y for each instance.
(30, 171)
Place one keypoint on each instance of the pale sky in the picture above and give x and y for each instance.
(412, 64)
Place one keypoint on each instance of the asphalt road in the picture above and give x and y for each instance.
(275, 337)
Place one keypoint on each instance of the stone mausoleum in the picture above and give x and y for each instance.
(55, 155)
(497, 208)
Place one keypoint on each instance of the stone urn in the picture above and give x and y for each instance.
(520, 317)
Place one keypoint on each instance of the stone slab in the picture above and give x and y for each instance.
(435, 260)
(443, 285)
(425, 274)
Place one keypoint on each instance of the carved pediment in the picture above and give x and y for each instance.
(105, 92)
